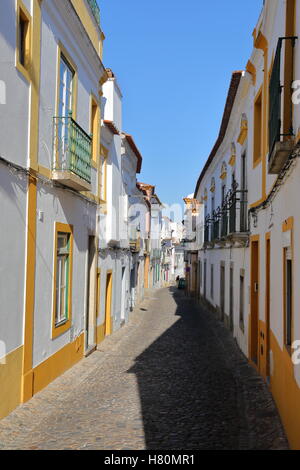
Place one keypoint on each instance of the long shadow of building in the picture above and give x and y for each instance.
(188, 393)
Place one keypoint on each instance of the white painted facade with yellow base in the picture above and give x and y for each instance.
(253, 274)
(51, 64)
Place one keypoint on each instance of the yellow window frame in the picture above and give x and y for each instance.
(95, 129)
(288, 225)
(258, 128)
(23, 13)
(58, 330)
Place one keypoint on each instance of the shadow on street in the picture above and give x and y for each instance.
(188, 394)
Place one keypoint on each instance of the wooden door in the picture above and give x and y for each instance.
(254, 301)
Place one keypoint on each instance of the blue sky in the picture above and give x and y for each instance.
(173, 61)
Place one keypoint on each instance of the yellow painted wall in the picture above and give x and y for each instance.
(286, 392)
(10, 382)
(100, 333)
(57, 364)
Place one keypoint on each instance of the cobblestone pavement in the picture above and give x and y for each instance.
(173, 378)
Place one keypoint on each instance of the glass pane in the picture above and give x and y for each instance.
(62, 284)
(58, 293)
(65, 106)
(62, 241)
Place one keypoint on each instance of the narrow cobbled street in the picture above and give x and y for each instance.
(172, 378)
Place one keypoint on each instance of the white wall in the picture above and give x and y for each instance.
(13, 188)
(14, 115)
(59, 206)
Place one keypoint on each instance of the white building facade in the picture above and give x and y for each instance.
(249, 260)
(72, 263)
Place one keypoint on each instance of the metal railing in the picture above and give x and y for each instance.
(216, 225)
(275, 91)
(207, 229)
(275, 100)
(95, 9)
(229, 219)
(72, 148)
(238, 205)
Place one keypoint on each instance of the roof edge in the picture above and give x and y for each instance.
(231, 95)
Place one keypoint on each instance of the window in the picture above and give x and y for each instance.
(103, 173)
(62, 279)
(65, 88)
(62, 275)
(23, 40)
(194, 222)
(94, 128)
(243, 195)
(257, 129)
(288, 296)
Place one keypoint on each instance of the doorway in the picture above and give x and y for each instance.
(254, 300)
(222, 290)
(91, 300)
(108, 302)
(123, 295)
(204, 280)
(231, 298)
(268, 275)
(132, 288)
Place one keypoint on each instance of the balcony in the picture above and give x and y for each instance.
(95, 10)
(229, 223)
(72, 154)
(280, 134)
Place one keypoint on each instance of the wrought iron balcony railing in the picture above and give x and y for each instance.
(72, 148)
(95, 9)
(237, 206)
(207, 229)
(230, 220)
(275, 100)
(280, 124)
(216, 224)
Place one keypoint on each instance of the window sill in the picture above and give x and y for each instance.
(61, 328)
